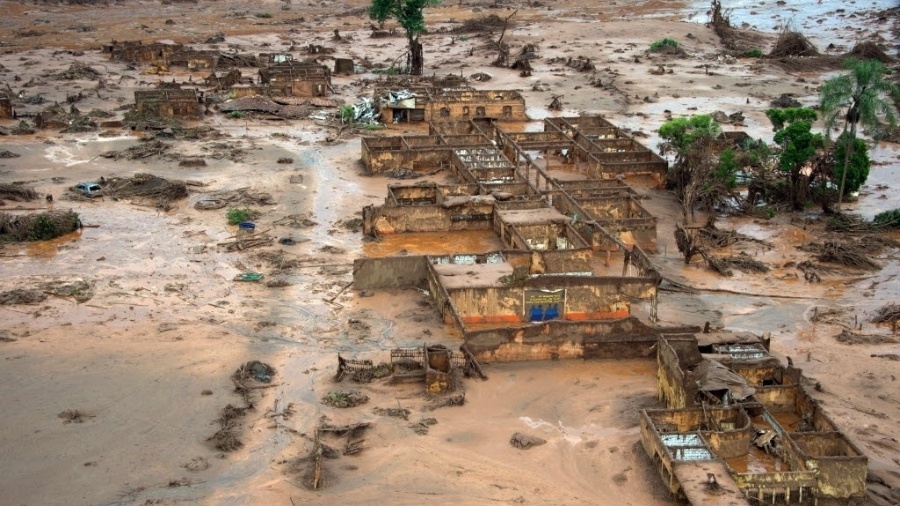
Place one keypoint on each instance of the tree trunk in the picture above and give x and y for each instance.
(416, 58)
(848, 151)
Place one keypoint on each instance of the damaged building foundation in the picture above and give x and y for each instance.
(564, 271)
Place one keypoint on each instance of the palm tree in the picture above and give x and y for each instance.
(863, 96)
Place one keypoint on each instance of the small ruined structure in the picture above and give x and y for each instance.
(427, 104)
(193, 59)
(297, 79)
(736, 414)
(437, 367)
(170, 103)
(137, 52)
(224, 81)
(6, 106)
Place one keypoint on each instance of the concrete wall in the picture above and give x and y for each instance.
(390, 272)
(675, 354)
(379, 220)
(628, 338)
(841, 468)
(587, 298)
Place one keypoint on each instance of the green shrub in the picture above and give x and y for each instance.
(236, 114)
(888, 219)
(754, 53)
(264, 15)
(391, 71)
(661, 44)
(347, 113)
(237, 215)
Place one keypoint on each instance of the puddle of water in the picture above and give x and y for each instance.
(434, 243)
(817, 20)
(46, 250)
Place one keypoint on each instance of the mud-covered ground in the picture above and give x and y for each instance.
(147, 360)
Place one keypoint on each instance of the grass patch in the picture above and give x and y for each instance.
(664, 44)
(237, 215)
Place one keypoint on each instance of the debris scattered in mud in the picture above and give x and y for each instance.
(278, 282)
(226, 438)
(342, 399)
(21, 296)
(242, 196)
(139, 151)
(888, 356)
(295, 221)
(793, 44)
(848, 337)
(447, 400)
(147, 186)
(524, 441)
(846, 254)
(77, 70)
(16, 192)
(422, 426)
(74, 416)
(393, 412)
(8, 154)
(889, 313)
(37, 226)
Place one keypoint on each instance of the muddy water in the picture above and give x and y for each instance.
(823, 22)
(434, 243)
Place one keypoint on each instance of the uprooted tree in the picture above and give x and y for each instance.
(699, 172)
(409, 13)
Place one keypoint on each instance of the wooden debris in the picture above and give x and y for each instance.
(846, 254)
(248, 241)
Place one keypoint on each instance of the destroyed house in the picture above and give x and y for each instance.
(750, 423)
(194, 60)
(140, 53)
(611, 151)
(427, 104)
(298, 79)
(224, 81)
(6, 107)
(170, 103)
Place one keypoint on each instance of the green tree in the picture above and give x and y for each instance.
(793, 132)
(862, 96)
(856, 160)
(699, 173)
(409, 13)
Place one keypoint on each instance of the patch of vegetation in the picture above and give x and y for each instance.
(754, 53)
(236, 114)
(888, 219)
(391, 71)
(342, 399)
(264, 15)
(347, 113)
(237, 215)
(663, 44)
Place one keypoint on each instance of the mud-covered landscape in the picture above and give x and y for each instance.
(174, 336)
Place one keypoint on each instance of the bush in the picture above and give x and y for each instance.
(662, 44)
(347, 113)
(888, 219)
(857, 165)
(264, 15)
(237, 215)
(236, 115)
(754, 53)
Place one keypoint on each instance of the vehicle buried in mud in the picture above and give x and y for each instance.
(88, 189)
